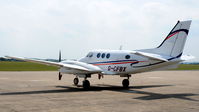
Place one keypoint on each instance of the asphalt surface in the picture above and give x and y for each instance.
(165, 91)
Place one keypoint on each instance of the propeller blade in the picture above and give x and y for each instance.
(60, 56)
(60, 76)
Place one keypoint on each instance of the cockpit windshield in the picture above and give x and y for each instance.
(89, 55)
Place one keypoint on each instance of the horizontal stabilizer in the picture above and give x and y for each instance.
(153, 56)
(186, 57)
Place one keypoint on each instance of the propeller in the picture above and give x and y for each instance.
(59, 55)
(60, 75)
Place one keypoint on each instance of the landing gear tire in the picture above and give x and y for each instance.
(76, 81)
(125, 83)
(86, 84)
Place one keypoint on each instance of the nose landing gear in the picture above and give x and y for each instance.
(86, 84)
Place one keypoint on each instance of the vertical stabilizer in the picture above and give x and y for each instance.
(173, 44)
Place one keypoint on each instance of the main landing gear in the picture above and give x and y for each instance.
(76, 81)
(85, 82)
(125, 82)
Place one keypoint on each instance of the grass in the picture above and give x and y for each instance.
(29, 66)
(25, 66)
(187, 67)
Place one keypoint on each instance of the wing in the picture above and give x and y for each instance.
(71, 65)
(35, 60)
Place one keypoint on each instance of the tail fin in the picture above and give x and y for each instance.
(173, 44)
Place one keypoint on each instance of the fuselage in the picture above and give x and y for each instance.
(117, 62)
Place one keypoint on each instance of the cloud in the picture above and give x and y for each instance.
(40, 28)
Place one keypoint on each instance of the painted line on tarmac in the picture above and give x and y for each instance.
(155, 77)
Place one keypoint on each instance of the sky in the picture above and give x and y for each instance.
(40, 28)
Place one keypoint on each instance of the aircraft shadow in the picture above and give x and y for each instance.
(99, 87)
(131, 89)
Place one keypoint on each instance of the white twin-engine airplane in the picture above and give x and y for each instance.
(126, 62)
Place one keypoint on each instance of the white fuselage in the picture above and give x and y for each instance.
(117, 62)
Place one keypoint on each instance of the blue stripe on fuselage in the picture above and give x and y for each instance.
(112, 61)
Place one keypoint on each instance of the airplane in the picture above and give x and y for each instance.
(124, 63)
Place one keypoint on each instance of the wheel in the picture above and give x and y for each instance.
(86, 84)
(76, 81)
(125, 83)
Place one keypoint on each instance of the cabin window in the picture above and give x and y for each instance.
(98, 55)
(127, 56)
(103, 55)
(108, 55)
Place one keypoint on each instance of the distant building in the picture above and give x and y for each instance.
(6, 59)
